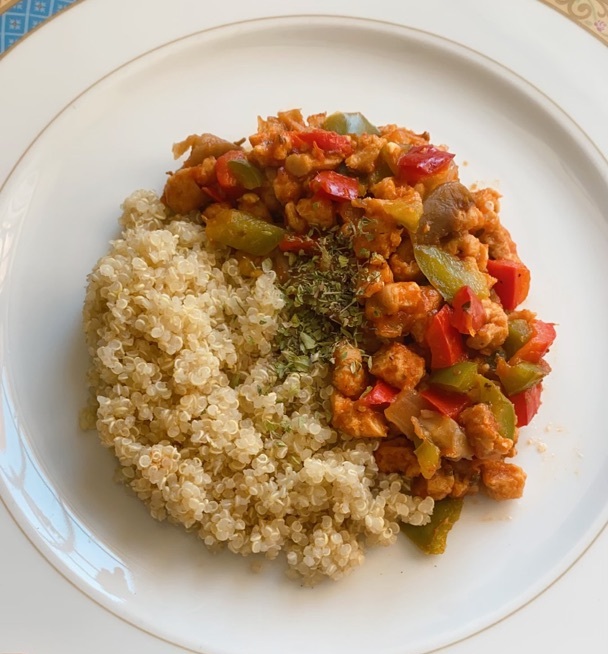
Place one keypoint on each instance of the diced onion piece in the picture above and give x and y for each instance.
(446, 434)
(405, 406)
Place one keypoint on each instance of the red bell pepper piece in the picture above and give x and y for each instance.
(326, 141)
(513, 281)
(422, 161)
(444, 340)
(468, 315)
(335, 186)
(450, 404)
(527, 404)
(296, 243)
(225, 177)
(381, 393)
(213, 193)
(538, 344)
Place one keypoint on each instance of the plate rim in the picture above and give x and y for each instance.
(295, 17)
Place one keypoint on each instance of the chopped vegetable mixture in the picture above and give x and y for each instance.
(399, 276)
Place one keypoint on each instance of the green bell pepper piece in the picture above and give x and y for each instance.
(459, 378)
(404, 211)
(520, 332)
(432, 537)
(447, 273)
(429, 458)
(519, 377)
(380, 171)
(488, 392)
(349, 123)
(243, 232)
(247, 175)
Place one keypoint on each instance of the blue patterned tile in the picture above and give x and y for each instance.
(40, 7)
(24, 16)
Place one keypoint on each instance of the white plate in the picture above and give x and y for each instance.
(58, 209)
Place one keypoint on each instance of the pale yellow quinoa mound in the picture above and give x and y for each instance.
(184, 392)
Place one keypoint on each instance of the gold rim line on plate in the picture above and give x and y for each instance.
(495, 622)
(10, 3)
(591, 15)
(78, 586)
(7, 4)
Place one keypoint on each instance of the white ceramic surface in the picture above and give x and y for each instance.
(57, 211)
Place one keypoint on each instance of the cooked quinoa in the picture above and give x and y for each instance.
(185, 393)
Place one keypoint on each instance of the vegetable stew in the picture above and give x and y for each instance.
(397, 274)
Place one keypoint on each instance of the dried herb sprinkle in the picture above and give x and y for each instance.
(321, 304)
